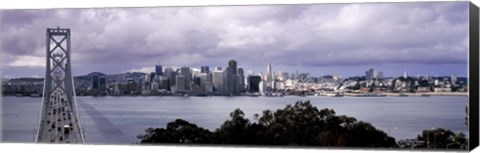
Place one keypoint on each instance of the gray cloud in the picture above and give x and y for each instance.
(113, 40)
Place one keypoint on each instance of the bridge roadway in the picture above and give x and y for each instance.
(59, 123)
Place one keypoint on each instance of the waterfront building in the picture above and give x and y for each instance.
(232, 78)
(442, 89)
(164, 83)
(208, 87)
(116, 88)
(232, 64)
(370, 75)
(170, 74)
(283, 76)
(197, 81)
(228, 80)
(95, 83)
(380, 75)
(453, 79)
(180, 83)
(185, 72)
(158, 70)
(155, 87)
(269, 75)
(262, 87)
(146, 87)
(195, 72)
(218, 81)
(253, 82)
(132, 87)
(205, 78)
(269, 80)
(279, 85)
(146, 78)
(102, 83)
(152, 77)
(241, 80)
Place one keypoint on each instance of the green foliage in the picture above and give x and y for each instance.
(298, 124)
(441, 138)
(178, 131)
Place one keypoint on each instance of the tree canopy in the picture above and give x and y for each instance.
(301, 124)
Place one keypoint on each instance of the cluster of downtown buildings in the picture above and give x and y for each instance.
(232, 81)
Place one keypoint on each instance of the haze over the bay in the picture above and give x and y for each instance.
(338, 39)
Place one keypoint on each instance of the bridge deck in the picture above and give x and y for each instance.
(59, 123)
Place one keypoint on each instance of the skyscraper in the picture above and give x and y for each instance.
(232, 78)
(218, 81)
(253, 83)
(269, 82)
(218, 68)
(380, 75)
(453, 79)
(241, 80)
(116, 88)
(170, 74)
(180, 83)
(95, 84)
(152, 78)
(269, 77)
(185, 71)
(370, 75)
(204, 69)
(158, 70)
(233, 66)
(228, 80)
(102, 83)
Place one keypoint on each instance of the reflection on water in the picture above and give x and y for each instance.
(118, 120)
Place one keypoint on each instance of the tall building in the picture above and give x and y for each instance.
(158, 70)
(380, 75)
(132, 87)
(187, 75)
(218, 81)
(146, 78)
(204, 69)
(164, 83)
(370, 75)
(116, 88)
(102, 83)
(170, 74)
(269, 81)
(233, 66)
(180, 83)
(218, 68)
(241, 80)
(95, 83)
(197, 81)
(453, 79)
(231, 77)
(253, 82)
(283, 76)
(152, 77)
(405, 74)
(269, 77)
(228, 80)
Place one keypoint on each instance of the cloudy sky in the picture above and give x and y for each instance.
(339, 39)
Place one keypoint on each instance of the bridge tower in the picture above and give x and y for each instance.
(59, 122)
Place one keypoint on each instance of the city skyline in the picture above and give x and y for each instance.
(320, 39)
